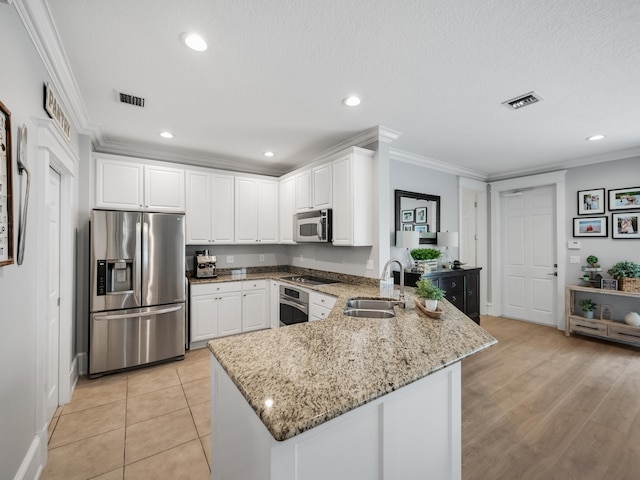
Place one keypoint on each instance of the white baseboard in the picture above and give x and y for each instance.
(36, 458)
(82, 361)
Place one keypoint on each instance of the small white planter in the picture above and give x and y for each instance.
(431, 305)
(587, 313)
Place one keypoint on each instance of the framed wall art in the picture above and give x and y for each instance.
(591, 202)
(606, 312)
(625, 225)
(407, 216)
(6, 199)
(590, 227)
(421, 215)
(609, 284)
(624, 198)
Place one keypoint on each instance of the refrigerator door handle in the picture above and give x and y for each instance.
(144, 314)
(144, 284)
(137, 286)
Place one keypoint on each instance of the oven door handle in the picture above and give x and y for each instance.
(300, 306)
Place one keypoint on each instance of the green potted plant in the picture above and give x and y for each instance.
(426, 290)
(628, 276)
(587, 306)
(592, 261)
(426, 259)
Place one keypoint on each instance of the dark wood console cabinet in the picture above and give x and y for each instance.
(461, 287)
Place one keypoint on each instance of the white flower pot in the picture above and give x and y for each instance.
(587, 314)
(431, 305)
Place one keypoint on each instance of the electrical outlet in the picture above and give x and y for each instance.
(369, 264)
(262, 258)
(301, 258)
(574, 259)
(229, 258)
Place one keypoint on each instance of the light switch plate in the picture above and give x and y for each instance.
(229, 258)
(574, 259)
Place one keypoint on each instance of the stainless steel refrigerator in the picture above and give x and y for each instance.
(137, 289)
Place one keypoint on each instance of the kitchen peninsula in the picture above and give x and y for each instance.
(344, 397)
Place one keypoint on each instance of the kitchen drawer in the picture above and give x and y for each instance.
(318, 312)
(326, 301)
(452, 285)
(212, 288)
(590, 327)
(625, 333)
(248, 285)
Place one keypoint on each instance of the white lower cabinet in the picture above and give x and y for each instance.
(320, 305)
(215, 310)
(227, 308)
(255, 305)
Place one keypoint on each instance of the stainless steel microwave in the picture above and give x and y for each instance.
(313, 226)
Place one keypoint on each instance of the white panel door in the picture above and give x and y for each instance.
(528, 256)
(268, 212)
(119, 184)
(164, 189)
(255, 310)
(53, 294)
(229, 314)
(287, 208)
(222, 208)
(198, 215)
(469, 228)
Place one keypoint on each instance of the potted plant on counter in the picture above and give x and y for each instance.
(587, 307)
(430, 293)
(426, 259)
(628, 276)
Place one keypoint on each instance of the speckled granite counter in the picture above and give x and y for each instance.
(316, 371)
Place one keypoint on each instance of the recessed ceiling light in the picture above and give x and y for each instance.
(166, 134)
(351, 101)
(593, 138)
(194, 42)
(269, 154)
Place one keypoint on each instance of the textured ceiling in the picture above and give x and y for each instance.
(437, 71)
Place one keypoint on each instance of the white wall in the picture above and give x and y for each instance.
(21, 91)
(609, 175)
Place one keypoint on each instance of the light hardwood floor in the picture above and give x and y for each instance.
(539, 405)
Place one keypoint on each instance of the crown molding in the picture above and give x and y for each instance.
(419, 160)
(36, 17)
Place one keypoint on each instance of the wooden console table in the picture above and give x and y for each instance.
(614, 330)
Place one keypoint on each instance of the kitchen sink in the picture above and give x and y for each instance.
(370, 304)
(370, 308)
(364, 313)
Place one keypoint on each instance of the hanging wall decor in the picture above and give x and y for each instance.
(6, 199)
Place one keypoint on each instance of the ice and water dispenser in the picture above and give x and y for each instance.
(115, 276)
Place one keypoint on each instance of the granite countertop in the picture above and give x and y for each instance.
(313, 372)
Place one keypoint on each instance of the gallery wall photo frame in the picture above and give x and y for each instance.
(421, 215)
(590, 227)
(591, 202)
(6, 192)
(624, 198)
(625, 225)
(609, 284)
(606, 312)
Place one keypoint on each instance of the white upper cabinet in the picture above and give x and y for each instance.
(256, 210)
(126, 184)
(119, 184)
(313, 188)
(287, 209)
(304, 200)
(353, 198)
(209, 213)
(321, 181)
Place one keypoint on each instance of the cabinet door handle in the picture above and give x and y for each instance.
(453, 298)
(453, 284)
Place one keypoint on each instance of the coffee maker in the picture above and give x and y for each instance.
(205, 264)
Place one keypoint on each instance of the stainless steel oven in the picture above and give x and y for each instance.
(294, 305)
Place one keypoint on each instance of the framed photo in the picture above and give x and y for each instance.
(609, 284)
(591, 202)
(421, 215)
(590, 227)
(420, 228)
(606, 312)
(625, 225)
(407, 216)
(407, 227)
(6, 200)
(624, 198)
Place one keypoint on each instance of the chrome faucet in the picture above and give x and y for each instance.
(384, 275)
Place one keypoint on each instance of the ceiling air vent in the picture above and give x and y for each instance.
(523, 100)
(132, 100)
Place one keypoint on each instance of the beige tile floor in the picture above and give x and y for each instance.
(151, 423)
